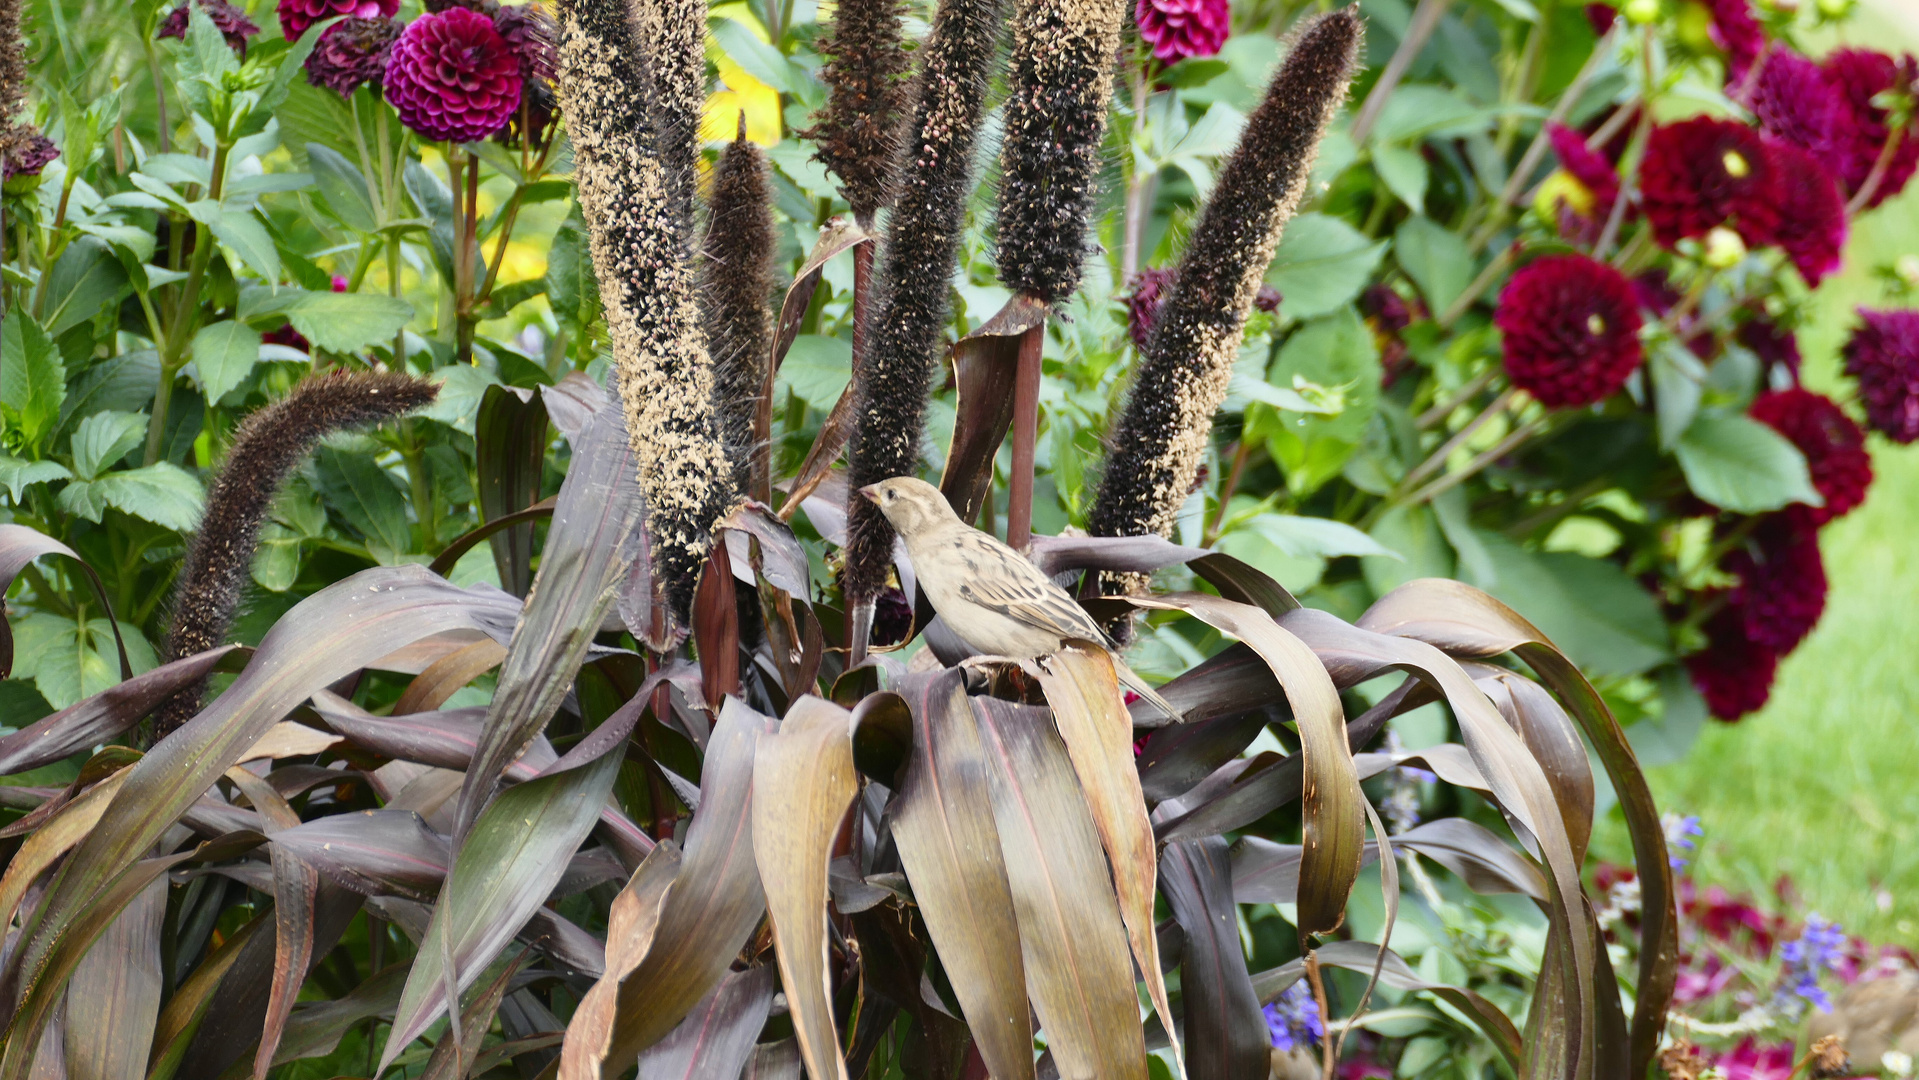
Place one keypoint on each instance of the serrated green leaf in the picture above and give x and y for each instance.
(364, 494)
(1321, 264)
(1739, 464)
(103, 438)
(241, 231)
(162, 493)
(224, 354)
(67, 661)
(1336, 352)
(86, 279)
(16, 475)
(342, 186)
(817, 368)
(123, 382)
(276, 562)
(1438, 261)
(348, 322)
(33, 382)
(1405, 174)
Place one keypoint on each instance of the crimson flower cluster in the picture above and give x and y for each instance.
(1178, 29)
(1571, 330)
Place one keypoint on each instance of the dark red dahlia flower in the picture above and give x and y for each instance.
(1795, 100)
(1586, 165)
(1737, 34)
(27, 152)
(1571, 330)
(1884, 356)
(1773, 344)
(1859, 75)
(1142, 305)
(1733, 673)
(530, 32)
(355, 51)
(1387, 313)
(232, 23)
(1601, 17)
(297, 15)
(452, 77)
(892, 617)
(1782, 581)
(1177, 29)
(1702, 173)
(1834, 446)
(1812, 216)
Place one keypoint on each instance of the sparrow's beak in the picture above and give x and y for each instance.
(872, 493)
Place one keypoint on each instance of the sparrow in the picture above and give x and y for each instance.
(989, 595)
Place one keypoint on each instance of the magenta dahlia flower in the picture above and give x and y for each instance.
(232, 23)
(1702, 173)
(1750, 1061)
(1782, 581)
(1177, 29)
(1593, 172)
(1795, 100)
(1812, 216)
(1733, 673)
(1571, 330)
(354, 52)
(1883, 356)
(1737, 34)
(1860, 75)
(1143, 303)
(452, 77)
(297, 15)
(1834, 446)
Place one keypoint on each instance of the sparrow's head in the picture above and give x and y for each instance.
(910, 504)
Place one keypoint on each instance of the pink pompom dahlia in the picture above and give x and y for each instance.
(453, 78)
(1795, 100)
(1883, 356)
(1834, 446)
(1177, 29)
(297, 15)
(1702, 173)
(1860, 76)
(1571, 330)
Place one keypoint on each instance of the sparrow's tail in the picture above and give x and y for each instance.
(1137, 685)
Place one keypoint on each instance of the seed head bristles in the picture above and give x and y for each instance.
(269, 445)
(735, 297)
(13, 74)
(915, 264)
(1161, 436)
(857, 133)
(674, 33)
(664, 376)
(1062, 82)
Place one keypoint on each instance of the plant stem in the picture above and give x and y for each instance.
(1420, 30)
(508, 216)
(1465, 300)
(467, 223)
(1139, 185)
(1477, 465)
(1878, 174)
(186, 316)
(1437, 459)
(1242, 450)
(1019, 488)
(1442, 410)
(1537, 148)
(1318, 983)
(393, 261)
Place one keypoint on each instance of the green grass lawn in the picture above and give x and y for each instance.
(1823, 784)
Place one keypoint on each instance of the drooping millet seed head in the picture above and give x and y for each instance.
(735, 291)
(1062, 78)
(269, 445)
(660, 360)
(933, 177)
(674, 32)
(866, 69)
(1162, 434)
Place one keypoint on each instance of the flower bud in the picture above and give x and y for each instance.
(1723, 248)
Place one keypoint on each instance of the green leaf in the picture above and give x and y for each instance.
(369, 498)
(224, 354)
(104, 438)
(1335, 352)
(1603, 619)
(68, 661)
(85, 280)
(1419, 111)
(1405, 174)
(16, 475)
(342, 186)
(276, 562)
(1739, 464)
(162, 493)
(1678, 385)
(123, 382)
(1436, 260)
(571, 289)
(1321, 264)
(241, 231)
(1315, 537)
(817, 368)
(761, 60)
(348, 322)
(33, 382)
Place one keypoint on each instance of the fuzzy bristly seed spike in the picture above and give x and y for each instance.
(659, 355)
(915, 263)
(1062, 78)
(1161, 437)
(735, 295)
(269, 445)
(674, 34)
(866, 65)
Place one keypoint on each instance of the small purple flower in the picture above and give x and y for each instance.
(27, 152)
(232, 23)
(352, 53)
(1150, 287)
(1680, 832)
(1817, 950)
(1293, 1020)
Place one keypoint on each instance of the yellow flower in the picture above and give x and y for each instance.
(740, 92)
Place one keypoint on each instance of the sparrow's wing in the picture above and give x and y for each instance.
(1017, 589)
